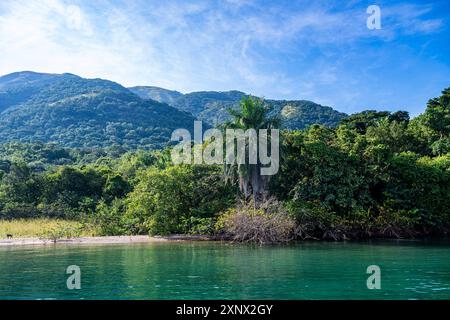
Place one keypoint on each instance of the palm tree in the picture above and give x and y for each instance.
(252, 114)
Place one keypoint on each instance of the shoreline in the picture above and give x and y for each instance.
(102, 240)
(35, 241)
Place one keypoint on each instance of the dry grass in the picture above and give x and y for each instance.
(30, 228)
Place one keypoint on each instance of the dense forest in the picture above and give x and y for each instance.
(376, 174)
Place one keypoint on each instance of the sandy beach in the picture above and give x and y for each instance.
(101, 240)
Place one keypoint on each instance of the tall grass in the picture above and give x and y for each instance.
(23, 228)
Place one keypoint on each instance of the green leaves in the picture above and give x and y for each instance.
(376, 174)
(376, 163)
(165, 200)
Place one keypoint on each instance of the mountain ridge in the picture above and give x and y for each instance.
(79, 112)
(212, 107)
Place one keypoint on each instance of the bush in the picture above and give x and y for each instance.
(62, 231)
(108, 219)
(269, 223)
(15, 210)
(198, 226)
(168, 201)
(316, 222)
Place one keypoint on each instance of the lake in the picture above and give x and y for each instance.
(206, 270)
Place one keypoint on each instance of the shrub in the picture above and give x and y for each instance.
(315, 222)
(164, 201)
(269, 223)
(198, 226)
(15, 210)
(62, 231)
(108, 219)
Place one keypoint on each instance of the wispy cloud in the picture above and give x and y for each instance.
(276, 49)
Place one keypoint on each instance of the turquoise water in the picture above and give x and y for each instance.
(311, 270)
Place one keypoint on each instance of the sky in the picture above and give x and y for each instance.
(321, 51)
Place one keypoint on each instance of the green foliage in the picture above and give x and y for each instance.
(109, 218)
(316, 222)
(61, 231)
(164, 200)
(361, 121)
(94, 113)
(253, 115)
(315, 170)
(300, 114)
(65, 192)
(209, 106)
(432, 128)
(376, 174)
(82, 113)
(437, 114)
(198, 226)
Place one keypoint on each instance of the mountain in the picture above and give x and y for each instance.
(299, 114)
(77, 112)
(212, 107)
(18, 87)
(209, 106)
(155, 93)
(90, 113)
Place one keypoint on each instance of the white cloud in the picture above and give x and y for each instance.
(191, 46)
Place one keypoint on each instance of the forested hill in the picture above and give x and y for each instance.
(20, 86)
(91, 113)
(212, 106)
(77, 112)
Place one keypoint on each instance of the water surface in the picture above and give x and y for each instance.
(198, 270)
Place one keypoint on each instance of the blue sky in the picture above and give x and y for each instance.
(315, 50)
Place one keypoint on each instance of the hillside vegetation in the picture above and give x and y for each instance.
(377, 174)
(89, 113)
(93, 113)
(212, 107)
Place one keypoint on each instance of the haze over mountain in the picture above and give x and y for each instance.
(212, 107)
(77, 112)
(158, 94)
